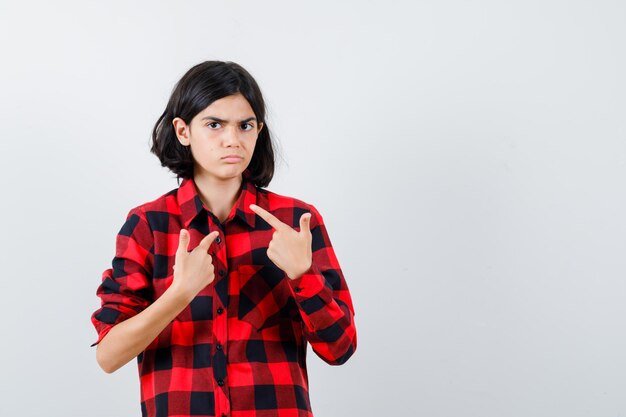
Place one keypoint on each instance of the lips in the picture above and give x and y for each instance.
(232, 159)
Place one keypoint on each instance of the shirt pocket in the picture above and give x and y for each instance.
(264, 299)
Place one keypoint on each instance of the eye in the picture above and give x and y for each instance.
(247, 124)
(212, 123)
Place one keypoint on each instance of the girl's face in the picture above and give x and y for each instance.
(226, 127)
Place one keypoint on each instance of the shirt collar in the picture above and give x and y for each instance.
(191, 205)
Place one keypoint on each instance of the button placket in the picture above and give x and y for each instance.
(220, 330)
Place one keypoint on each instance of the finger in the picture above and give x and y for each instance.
(268, 217)
(305, 223)
(205, 243)
(183, 243)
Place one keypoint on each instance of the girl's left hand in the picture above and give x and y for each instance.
(289, 250)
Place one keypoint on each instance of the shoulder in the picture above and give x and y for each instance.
(287, 208)
(163, 205)
(272, 201)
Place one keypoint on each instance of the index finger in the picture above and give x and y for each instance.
(206, 241)
(268, 217)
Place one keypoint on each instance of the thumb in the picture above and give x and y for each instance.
(183, 243)
(305, 222)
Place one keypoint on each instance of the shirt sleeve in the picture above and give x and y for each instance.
(324, 300)
(125, 289)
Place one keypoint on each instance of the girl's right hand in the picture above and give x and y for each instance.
(193, 270)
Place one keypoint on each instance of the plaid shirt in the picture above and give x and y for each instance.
(239, 348)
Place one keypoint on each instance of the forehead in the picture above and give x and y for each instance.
(233, 106)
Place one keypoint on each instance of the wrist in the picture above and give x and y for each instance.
(180, 293)
(301, 272)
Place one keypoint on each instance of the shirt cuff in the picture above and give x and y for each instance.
(308, 284)
(103, 332)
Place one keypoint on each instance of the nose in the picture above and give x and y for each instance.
(231, 136)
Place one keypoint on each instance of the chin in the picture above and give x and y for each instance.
(232, 173)
(222, 174)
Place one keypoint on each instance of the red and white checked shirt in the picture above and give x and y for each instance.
(239, 348)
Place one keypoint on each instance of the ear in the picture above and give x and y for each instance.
(181, 130)
(260, 126)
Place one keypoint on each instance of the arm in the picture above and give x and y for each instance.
(127, 321)
(324, 300)
(130, 337)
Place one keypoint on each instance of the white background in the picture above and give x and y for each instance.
(468, 159)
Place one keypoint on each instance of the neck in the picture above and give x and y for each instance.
(218, 195)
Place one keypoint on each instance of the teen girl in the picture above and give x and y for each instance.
(218, 285)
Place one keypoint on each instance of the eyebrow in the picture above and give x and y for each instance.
(217, 119)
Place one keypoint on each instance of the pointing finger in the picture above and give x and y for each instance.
(268, 217)
(205, 243)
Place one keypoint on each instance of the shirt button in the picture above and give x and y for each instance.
(220, 310)
(221, 272)
(218, 239)
(219, 347)
(297, 289)
(220, 382)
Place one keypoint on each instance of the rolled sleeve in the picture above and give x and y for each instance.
(324, 300)
(125, 289)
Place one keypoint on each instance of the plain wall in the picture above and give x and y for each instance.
(468, 159)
